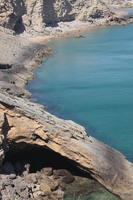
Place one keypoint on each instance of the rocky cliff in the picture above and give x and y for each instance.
(25, 123)
(35, 15)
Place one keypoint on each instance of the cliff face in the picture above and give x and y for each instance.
(34, 15)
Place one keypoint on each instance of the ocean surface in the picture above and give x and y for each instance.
(90, 81)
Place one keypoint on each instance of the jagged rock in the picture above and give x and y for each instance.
(54, 185)
(34, 15)
(2, 120)
(45, 188)
(2, 146)
(95, 12)
(105, 164)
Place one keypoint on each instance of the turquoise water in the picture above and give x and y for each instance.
(90, 81)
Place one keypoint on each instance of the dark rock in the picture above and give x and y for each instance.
(19, 168)
(61, 172)
(8, 168)
(68, 179)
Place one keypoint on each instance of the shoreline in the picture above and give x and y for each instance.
(69, 33)
(76, 27)
(25, 56)
(42, 51)
(30, 52)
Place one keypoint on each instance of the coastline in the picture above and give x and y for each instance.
(24, 57)
(30, 51)
(34, 51)
(75, 28)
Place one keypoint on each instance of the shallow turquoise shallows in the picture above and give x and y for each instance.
(90, 80)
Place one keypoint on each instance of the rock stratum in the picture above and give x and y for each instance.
(23, 123)
(35, 15)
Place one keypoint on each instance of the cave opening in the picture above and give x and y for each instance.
(38, 158)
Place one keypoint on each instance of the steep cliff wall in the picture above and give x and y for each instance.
(34, 15)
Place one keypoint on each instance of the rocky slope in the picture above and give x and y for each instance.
(23, 56)
(25, 123)
(34, 15)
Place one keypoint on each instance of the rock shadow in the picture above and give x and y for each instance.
(50, 13)
(38, 158)
(5, 66)
(19, 26)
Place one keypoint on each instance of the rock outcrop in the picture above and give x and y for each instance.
(27, 123)
(97, 11)
(2, 138)
(34, 15)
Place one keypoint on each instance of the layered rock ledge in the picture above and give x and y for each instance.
(23, 122)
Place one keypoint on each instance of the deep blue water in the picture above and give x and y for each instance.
(90, 81)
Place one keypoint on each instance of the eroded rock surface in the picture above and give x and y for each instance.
(28, 123)
(2, 138)
(18, 56)
(34, 15)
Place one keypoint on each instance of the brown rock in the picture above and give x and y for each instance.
(54, 185)
(68, 179)
(58, 194)
(2, 120)
(48, 171)
(61, 172)
(45, 188)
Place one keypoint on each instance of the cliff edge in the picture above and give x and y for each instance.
(23, 122)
